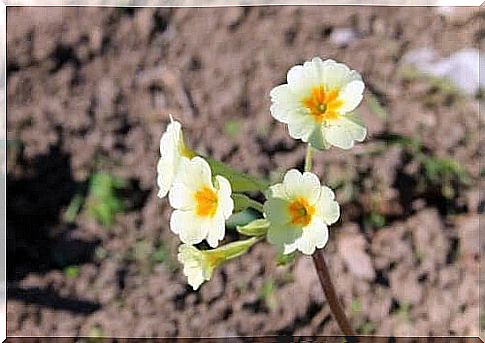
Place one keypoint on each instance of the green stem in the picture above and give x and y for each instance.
(324, 275)
(309, 158)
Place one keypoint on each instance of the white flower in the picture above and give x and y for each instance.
(200, 264)
(317, 101)
(198, 267)
(200, 208)
(172, 149)
(299, 210)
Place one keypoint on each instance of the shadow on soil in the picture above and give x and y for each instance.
(37, 240)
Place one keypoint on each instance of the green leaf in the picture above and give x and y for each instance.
(71, 272)
(240, 182)
(258, 227)
(242, 218)
(242, 202)
(73, 208)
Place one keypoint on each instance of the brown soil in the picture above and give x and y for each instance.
(94, 86)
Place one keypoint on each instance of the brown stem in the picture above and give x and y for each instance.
(330, 293)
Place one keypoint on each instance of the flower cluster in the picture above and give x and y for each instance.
(316, 104)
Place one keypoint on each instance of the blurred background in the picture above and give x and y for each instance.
(89, 91)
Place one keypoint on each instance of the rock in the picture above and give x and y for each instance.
(462, 67)
(352, 248)
(405, 286)
(468, 227)
(343, 36)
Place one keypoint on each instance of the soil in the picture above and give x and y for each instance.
(91, 88)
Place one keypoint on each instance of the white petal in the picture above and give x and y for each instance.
(314, 236)
(284, 102)
(216, 228)
(328, 208)
(188, 227)
(351, 96)
(276, 211)
(202, 169)
(225, 201)
(170, 138)
(337, 75)
(343, 132)
(195, 173)
(306, 185)
(181, 198)
(301, 126)
(280, 236)
(165, 173)
(194, 278)
(289, 248)
(277, 191)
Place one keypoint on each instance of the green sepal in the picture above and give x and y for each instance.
(256, 228)
(240, 182)
(230, 250)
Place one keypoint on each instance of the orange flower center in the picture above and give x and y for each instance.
(323, 105)
(206, 200)
(301, 212)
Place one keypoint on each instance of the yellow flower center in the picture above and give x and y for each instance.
(301, 212)
(323, 105)
(206, 200)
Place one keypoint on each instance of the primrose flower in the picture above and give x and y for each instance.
(201, 208)
(200, 264)
(172, 150)
(317, 101)
(299, 210)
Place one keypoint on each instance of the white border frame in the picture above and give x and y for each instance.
(142, 3)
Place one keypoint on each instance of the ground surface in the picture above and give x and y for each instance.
(91, 88)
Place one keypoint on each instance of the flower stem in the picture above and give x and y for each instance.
(324, 275)
(309, 158)
(330, 294)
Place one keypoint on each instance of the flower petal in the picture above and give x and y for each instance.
(306, 185)
(188, 227)
(351, 96)
(224, 196)
(343, 132)
(165, 175)
(328, 208)
(194, 173)
(283, 235)
(181, 198)
(216, 229)
(301, 126)
(315, 235)
(284, 102)
(337, 75)
(276, 211)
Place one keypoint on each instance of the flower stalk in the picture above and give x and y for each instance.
(324, 275)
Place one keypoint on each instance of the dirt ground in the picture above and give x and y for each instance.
(91, 88)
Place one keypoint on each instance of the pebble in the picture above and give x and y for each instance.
(461, 67)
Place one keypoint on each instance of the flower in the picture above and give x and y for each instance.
(200, 264)
(198, 267)
(172, 150)
(317, 101)
(200, 208)
(299, 210)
